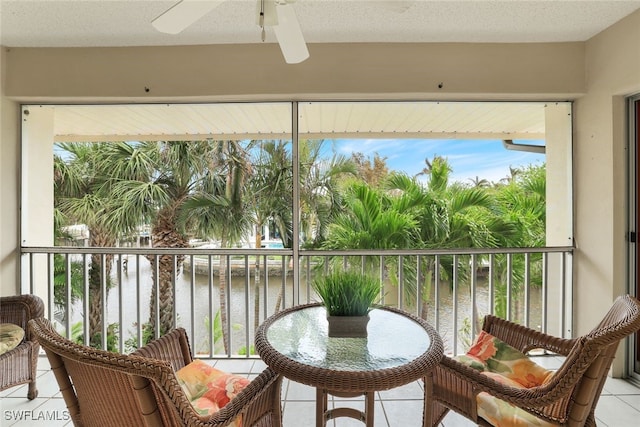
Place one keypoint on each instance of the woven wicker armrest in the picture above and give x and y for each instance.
(259, 400)
(526, 339)
(172, 347)
(261, 395)
(255, 402)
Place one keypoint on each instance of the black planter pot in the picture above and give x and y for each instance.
(348, 326)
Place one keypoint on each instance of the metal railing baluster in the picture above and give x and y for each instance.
(446, 311)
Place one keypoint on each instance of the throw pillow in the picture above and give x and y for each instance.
(210, 389)
(490, 354)
(10, 336)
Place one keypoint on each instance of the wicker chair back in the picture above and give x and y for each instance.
(102, 388)
(19, 365)
(568, 399)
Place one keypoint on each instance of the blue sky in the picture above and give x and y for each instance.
(486, 159)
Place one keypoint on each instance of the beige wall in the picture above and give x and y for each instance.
(9, 170)
(597, 73)
(612, 71)
(238, 72)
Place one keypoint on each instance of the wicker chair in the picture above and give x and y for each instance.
(568, 399)
(19, 365)
(102, 388)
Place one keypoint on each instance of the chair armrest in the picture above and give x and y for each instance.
(526, 339)
(24, 349)
(258, 399)
(172, 347)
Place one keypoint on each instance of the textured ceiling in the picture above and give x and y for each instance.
(57, 23)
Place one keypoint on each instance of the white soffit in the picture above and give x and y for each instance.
(328, 120)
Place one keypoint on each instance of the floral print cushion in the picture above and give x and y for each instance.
(489, 354)
(499, 413)
(509, 366)
(10, 336)
(209, 389)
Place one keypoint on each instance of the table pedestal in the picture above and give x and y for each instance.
(324, 414)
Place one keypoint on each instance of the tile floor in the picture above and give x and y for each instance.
(619, 404)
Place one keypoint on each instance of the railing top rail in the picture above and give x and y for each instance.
(443, 251)
(266, 251)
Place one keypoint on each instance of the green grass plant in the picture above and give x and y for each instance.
(347, 293)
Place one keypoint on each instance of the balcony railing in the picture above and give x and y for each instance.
(531, 286)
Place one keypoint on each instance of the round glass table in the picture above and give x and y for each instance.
(399, 348)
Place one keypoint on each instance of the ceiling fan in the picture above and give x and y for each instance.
(278, 14)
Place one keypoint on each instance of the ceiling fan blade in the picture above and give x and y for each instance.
(289, 35)
(182, 14)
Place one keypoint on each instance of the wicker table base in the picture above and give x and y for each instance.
(324, 414)
(399, 348)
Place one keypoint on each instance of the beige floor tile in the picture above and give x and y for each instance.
(400, 407)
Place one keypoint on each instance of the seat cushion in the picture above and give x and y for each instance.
(10, 336)
(209, 389)
(489, 354)
(509, 366)
(499, 413)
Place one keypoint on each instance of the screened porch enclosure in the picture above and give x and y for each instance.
(534, 283)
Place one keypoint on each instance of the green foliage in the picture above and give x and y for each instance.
(371, 221)
(217, 334)
(347, 293)
(60, 280)
(77, 336)
(147, 335)
(321, 181)
(270, 186)
(243, 350)
(464, 333)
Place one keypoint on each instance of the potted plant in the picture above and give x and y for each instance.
(348, 296)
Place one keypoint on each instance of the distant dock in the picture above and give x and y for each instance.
(238, 267)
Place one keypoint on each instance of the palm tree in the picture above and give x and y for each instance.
(79, 198)
(271, 189)
(426, 170)
(514, 173)
(479, 182)
(448, 216)
(151, 183)
(521, 202)
(320, 198)
(371, 220)
(220, 207)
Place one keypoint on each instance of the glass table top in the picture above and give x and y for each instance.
(393, 340)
